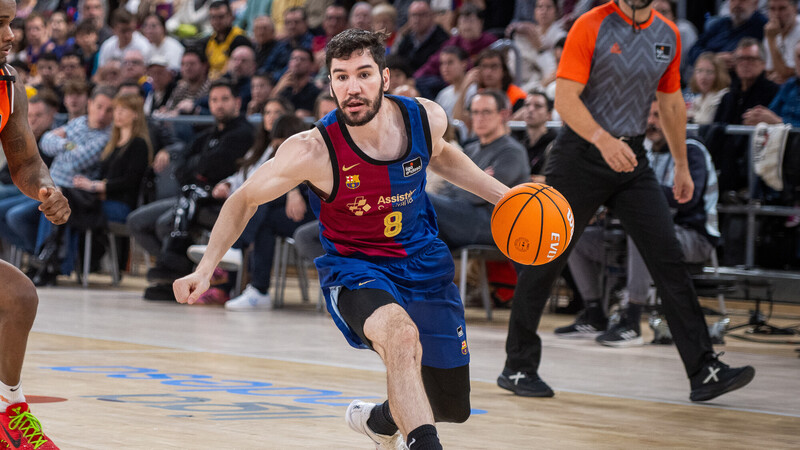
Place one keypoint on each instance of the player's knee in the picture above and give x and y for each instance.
(20, 298)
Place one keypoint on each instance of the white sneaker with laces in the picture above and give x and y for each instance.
(357, 415)
(250, 299)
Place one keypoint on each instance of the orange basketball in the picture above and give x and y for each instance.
(532, 224)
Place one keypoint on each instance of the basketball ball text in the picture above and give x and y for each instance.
(555, 241)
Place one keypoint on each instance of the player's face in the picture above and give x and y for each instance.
(8, 10)
(358, 86)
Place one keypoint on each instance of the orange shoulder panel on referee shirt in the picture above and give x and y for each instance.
(576, 59)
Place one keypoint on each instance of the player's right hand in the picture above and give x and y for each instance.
(617, 154)
(189, 288)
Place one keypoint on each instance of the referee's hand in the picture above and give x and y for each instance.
(617, 154)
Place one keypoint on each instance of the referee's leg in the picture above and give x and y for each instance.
(644, 212)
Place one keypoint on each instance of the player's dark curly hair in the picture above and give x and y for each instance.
(352, 40)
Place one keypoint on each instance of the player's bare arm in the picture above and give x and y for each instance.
(672, 111)
(453, 165)
(302, 157)
(26, 166)
(617, 154)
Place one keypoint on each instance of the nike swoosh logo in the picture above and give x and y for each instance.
(14, 389)
(345, 168)
(365, 282)
(15, 442)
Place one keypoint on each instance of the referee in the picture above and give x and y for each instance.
(616, 57)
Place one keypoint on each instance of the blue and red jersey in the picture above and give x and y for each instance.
(377, 209)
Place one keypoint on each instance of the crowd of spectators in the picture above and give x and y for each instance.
(228, 60)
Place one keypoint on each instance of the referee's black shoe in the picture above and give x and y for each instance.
(524, 384)
(717, 378)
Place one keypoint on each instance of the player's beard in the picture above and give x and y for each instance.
(373, 106)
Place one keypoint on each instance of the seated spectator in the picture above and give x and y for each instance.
(536, 137)
(491, 72)
(17, 53)
(209, 159)
(46, 73)
(224, 40)
(167, 48)
(535, 42)
(297, 35)
(59, 29)
(750, 89)
(42, 109)
(470, 37)
(695, 225)
(70, 67)
(334, 22)
(263, 39)
(261, 90)
(96, 12)
(687, 30)
(463, 217)
(384, 18)
(109, 74)
(134, 70)
(86, 46)
(123, 162)
(125, 38)
(278, 12)
(722, 34)
(37, 40)
(192, 86)
(785, 107)
(709, 83)
(241, 68)
(399, 73)
(361, 16)
(162, 82)
(296, 84)
(280, 217)
(781, 34)
(75, 150)
(453, 62)
(76, 98)
(423, 36)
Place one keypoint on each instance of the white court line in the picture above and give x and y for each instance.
(180, 349)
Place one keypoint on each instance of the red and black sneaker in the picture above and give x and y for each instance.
(20, 429)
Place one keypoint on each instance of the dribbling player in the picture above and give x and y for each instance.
(18, 299)
(387, 278)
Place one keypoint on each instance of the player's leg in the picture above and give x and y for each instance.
(644, 212)
(448, 392)
(18, 304)
(376, 317)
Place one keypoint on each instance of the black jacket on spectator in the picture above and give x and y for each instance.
(123, 171)
(304, 99)
(729, 152)
(536, 150)
(416, 56)
(213, 155)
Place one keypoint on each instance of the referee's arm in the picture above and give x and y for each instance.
(672, 111)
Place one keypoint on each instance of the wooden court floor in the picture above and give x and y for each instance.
(115, 371)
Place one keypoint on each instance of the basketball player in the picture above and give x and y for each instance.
(616, 58)
(18, 299)
(387, 279)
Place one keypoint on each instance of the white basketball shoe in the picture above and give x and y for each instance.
(357, 415)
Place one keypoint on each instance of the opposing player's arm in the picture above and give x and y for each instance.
(302, 157)
(22, 153)
(453, 165)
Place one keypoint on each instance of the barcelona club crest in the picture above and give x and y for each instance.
(352, 181)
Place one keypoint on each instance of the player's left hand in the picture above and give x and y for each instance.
(683, 187)
(54, 205)
(295, 205)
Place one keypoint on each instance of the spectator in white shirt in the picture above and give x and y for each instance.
(125, 38)
(781, 34)
(164, 47)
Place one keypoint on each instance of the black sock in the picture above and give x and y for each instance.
(381, 421)
(633, 315)
(594, 311)
(424, 437)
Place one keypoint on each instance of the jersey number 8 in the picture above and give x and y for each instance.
(394, 224)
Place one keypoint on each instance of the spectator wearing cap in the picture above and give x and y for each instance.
(470, 37)
(297, 35)
(125, 38)
(165, 48)
(162, 80)
(224, 40)
(296, 84)
(423, 38)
